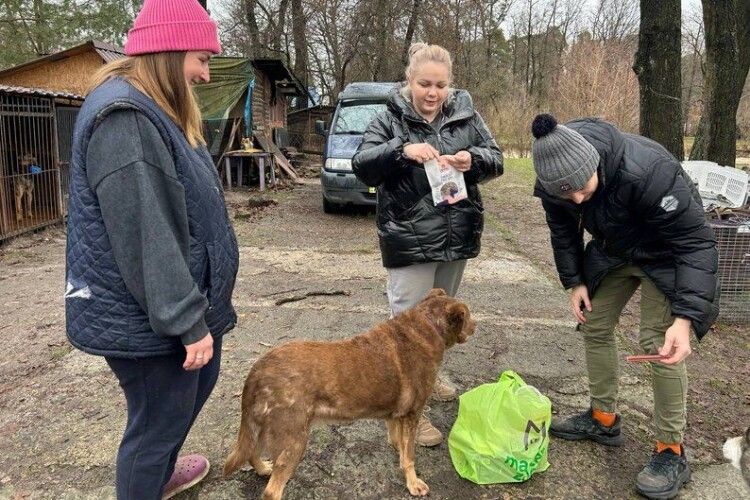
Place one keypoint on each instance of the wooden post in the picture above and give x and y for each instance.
(228, 172)
(262, 172)
(271, 164)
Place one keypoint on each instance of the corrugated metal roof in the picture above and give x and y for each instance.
(108, 52)
(8, 89)
(109, 56)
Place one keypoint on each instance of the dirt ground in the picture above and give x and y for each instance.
(62, 412)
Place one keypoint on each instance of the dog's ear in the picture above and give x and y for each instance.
(436, 292)
(459, 323)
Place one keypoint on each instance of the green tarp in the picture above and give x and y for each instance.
(230, 78)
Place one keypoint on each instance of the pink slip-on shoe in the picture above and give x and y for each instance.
(188, 471)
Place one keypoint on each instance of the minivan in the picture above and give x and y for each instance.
(357, 105)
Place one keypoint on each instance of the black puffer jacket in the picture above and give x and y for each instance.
(646, 211)
(411, 229)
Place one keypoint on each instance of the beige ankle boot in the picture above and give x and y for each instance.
(443, 390)
(427, 434)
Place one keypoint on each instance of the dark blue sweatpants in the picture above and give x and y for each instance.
(163, 401)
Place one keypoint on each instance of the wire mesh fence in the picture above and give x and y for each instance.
(733, 238)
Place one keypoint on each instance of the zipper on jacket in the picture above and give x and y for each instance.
(450, 231)
(449, 208)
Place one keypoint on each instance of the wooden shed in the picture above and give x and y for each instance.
(36, 131)
(301, 127)
(249, 96)
(274, 85)
(65, 71)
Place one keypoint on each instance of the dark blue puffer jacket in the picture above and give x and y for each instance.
(102, 316)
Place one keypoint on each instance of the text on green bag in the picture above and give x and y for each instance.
(541, 433)
(523, 468)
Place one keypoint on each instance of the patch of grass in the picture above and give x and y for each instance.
(505, 233)
(723, 386)
(688, 145)
(59, 352)
(519, 170)
(517, 181)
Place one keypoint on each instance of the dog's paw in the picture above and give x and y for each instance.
(265, 468)
(418, 488)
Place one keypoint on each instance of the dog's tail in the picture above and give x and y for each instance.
(247, 438)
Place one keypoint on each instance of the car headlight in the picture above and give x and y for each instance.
(339, 164)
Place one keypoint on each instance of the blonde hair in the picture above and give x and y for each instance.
(160, 76)
(420, 53)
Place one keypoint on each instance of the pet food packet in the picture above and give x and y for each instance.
(447, 183)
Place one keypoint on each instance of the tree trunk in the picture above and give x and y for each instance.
(528, 48)
(281, 26)
(410, 28)
(380, 15)
(695, 61)
(658, 66)
(299, 33)
(252, 26)
(727, 26)
(40, 41)
(743, 38)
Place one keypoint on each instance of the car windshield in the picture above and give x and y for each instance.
(354, 118)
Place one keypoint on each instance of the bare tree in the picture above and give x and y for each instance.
(727, 28)
(299, 34)
(380, 16)
(279, 31)
(615, 19)
(411, 27)
(692, 65)
(658, 66)
(252, 27)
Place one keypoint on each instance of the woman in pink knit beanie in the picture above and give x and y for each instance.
(152, 257)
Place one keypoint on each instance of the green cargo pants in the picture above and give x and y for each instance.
(669, 381)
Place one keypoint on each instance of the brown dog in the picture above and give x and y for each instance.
(387, 372)
(24, 187)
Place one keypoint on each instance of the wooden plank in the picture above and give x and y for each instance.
(283, 163)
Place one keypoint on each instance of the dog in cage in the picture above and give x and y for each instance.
(24, 186)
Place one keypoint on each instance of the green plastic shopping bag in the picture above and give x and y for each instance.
(501, 433)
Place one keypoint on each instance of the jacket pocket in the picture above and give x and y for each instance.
(222, 266)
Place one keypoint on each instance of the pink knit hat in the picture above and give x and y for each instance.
(172, 26)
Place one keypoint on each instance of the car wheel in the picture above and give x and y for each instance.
(329, 207)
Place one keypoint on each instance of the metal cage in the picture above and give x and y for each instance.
(34, 157)
(733, 238)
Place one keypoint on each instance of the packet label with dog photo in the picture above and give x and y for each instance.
(447, 183)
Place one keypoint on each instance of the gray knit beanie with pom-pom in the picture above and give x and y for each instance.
(563, 160)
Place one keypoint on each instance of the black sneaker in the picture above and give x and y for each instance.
(585, 426)
(663, 475)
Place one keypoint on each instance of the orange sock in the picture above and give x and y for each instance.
(675, 447)
(604, 418)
